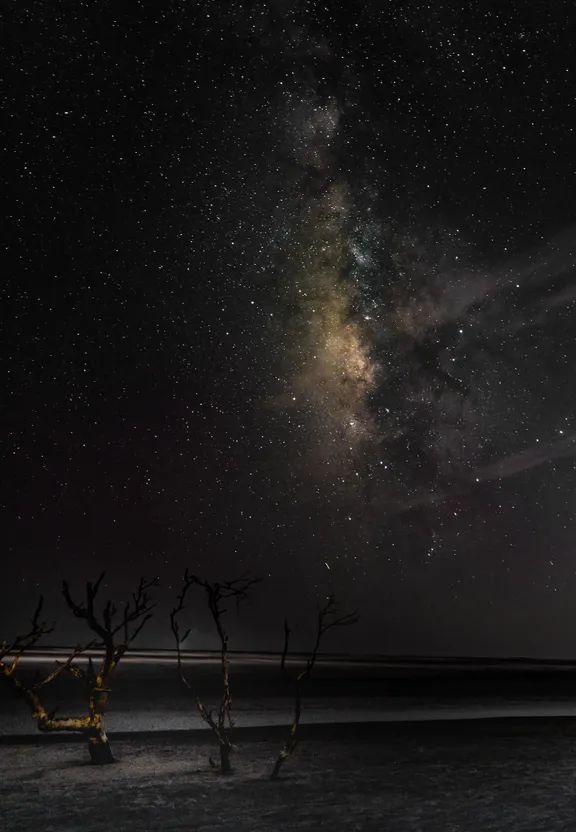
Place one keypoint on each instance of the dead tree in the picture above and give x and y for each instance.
(10, 655)
(327, 618)
(217, 593)
(287, 632)
(114, 633)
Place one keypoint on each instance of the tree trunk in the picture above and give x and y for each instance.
(99, 747)
(225, 767)
(278, 765)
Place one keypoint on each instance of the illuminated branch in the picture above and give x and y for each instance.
(25, 642)
(29, 693)
(67, 666)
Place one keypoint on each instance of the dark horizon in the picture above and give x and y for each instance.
(389, 658)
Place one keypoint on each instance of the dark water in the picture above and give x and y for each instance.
(153, 681)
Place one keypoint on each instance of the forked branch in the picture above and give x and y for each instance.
(10, 655)
(217, 592)
(24, 641)
(328, 617)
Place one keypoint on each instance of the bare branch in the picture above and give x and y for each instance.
(175, 626)
(135, 613)
(24, 641)
(64, 666)
(287, 632)
(216, 593)
(327, 618)
(85, 611)
(77, 671)
(106, 625)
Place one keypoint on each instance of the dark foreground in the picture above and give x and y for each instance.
(484, 775)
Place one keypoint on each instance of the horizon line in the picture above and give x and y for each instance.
(382, 657)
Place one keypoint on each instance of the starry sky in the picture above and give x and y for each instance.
(290, 288)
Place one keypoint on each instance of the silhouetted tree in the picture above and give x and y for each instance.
(217, 593)
(113, 635)
(327, 618)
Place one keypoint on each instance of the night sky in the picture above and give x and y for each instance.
(290, 288)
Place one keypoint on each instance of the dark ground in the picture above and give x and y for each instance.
(480, 776)
(441, 775)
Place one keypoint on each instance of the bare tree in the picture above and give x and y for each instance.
(10, 655)
(327, 618)
(113, 634)
(217, 593)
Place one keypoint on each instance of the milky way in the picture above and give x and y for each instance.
(290, 288)
(333, 372)
(371, 378)
(386, 355)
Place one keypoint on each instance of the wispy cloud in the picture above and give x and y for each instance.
(529, 458)
(510, 466)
